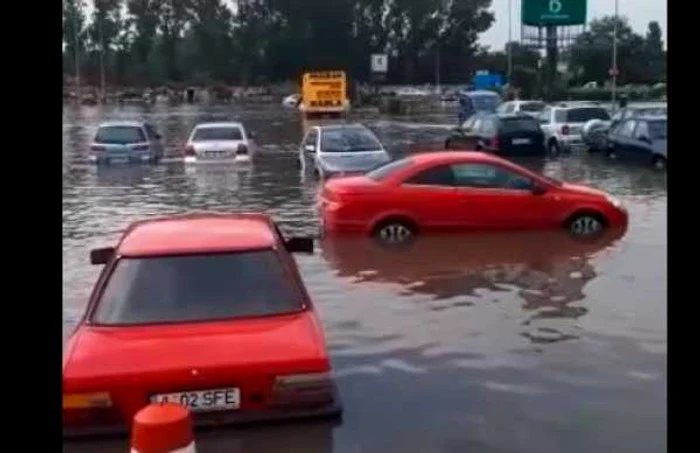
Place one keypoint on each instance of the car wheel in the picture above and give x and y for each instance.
(586, 225)
(553, 148)
(395, 232)
(659, 162)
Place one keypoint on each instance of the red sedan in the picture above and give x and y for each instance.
(205, 310)
(456, 191)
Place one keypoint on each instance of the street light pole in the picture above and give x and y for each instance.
(76, 34)
(509, 46)
(102, 58)
(613, 70)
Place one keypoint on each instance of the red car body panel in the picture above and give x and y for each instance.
(358, 204)
(133, 362)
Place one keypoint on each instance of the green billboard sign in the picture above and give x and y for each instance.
(541, 13)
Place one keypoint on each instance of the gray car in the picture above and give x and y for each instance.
(642, 138)
(337, 150)
(126, 142)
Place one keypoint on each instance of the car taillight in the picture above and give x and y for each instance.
(242, 149)
(495, 142)
(565, 129)
(140, 148)
(86, 400)
(96, 148)
(89, 409)
(303, 389)
(189, 150)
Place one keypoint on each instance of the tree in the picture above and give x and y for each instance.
(73, 28)
(654, 49)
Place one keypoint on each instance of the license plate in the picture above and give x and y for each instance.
(203, 400)
(521, 141)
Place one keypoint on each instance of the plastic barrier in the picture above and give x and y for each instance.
(162, 428)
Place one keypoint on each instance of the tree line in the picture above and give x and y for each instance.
(252, 42)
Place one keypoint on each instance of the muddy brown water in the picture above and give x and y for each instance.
(499, 343)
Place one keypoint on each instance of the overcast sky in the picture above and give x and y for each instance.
(639, 13)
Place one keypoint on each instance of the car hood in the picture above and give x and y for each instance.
(584, 190)
(353, 161)
(248, 344)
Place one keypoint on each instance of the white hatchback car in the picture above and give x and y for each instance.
(219, 142)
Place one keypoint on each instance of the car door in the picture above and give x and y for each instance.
(640, 143)
(623, 141)
(430, 198)
(492, 196)
(309, 148)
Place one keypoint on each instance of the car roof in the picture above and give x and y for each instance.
(122, 124)
(198, 233)
(342, 126)
(219, 124)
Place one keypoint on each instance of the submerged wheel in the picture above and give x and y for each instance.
(395, 232)
(586, 225)
(659, 162)
(553, 148)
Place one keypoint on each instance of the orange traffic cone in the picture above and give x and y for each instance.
(162, 428)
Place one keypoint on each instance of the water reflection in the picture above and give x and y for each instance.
(303, 437)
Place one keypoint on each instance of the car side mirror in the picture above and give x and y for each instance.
(299, 245)
(101, 256)
(539, 190)
(309, 148)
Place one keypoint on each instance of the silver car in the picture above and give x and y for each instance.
(125, 142)
(563, 125)
(220, 142)
(338, 150)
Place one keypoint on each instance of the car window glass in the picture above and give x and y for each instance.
(477, 125)
(488, 127)
(435, 176)
(642, 131)
(120, 135)
(510, 108)
(627, 129)
(485, 176)
(469, 123)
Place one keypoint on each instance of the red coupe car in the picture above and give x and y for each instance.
(456, 191)
(206, 310)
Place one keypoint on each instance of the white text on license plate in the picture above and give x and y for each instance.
(203, 400)
(521, 141)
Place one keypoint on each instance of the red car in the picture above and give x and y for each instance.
(205, 310)
(456, 191)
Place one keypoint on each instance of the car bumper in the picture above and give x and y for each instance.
(137, 158)
(210, 420)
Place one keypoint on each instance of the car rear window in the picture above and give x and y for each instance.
(584, 114)
(120, 135)
(510, 125)
(192, 288)
(658, 129)
(383, 172)
(348, 139)
(485, 102)
(206, 134)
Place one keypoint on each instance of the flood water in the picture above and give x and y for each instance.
(497, 343)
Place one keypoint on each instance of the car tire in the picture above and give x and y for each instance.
(553, 148)
(395, 232)
(659, 162)
(586, 225)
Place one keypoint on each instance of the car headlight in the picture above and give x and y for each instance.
(614, 201)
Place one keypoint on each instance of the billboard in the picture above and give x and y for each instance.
(541, 13)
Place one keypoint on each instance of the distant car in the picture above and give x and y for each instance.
(637, 110)
(642, 138)
(532, 108)
(292, 101)
(563, 125)
(205, 310)
(219, 142)
(595, 132)
(457, 192)
(505, 134)
(341, 149)
(477, 101)
(126, 142)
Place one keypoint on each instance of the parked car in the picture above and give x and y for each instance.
(205, 310)
(126, 142)
(219, 142)
(457, 192)
(477, 101)
(641, 138)
(641, 109)
(505, 134)
(563, 125)
(341, 149)
(595, 132)
(532, 108)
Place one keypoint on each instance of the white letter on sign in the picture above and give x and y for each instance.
(554, 6)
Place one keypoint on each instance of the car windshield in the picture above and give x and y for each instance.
(532, 106)
(119, 135)
(189, 288)
(347, 140)
(585, 114)
(657, 129)
(510, 125)
(207, 134)
(383, 172)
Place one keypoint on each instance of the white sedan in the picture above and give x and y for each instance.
(219, 142)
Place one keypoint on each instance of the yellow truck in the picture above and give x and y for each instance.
(324, 92)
